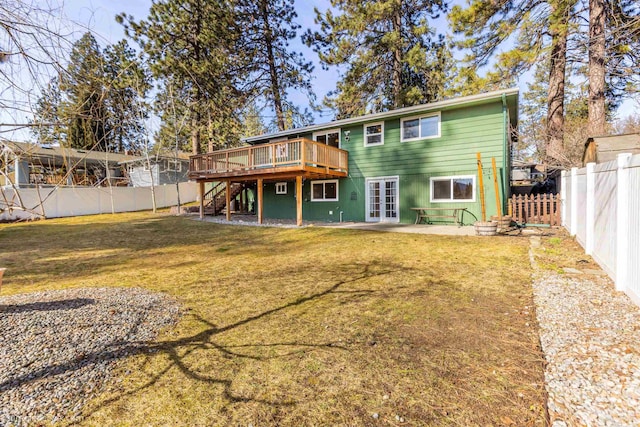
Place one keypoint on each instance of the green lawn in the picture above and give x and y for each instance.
(309, 326)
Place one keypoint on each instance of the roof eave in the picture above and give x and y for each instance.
(434, 106)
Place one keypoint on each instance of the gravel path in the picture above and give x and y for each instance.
(57, 348)
(590, 335)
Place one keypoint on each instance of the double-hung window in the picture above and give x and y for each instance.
(423, 127)
(453, 188)
(324, 191)
(373, 134)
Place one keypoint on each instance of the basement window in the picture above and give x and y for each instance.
(324, 191)
(281, 188)
(453, 189)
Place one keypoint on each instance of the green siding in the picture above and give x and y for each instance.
(284, 206)
(464, 132)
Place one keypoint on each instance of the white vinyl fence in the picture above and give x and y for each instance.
(601, 207)
(76, 201)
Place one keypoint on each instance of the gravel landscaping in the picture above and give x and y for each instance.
(590, 335)
(59, 347)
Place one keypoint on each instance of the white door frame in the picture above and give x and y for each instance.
(382, 180)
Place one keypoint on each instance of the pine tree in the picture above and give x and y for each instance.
(539, 29)
(85, 106)
(127, 85)
(269, 27)
(48, 128)
(392, 56)
(613, 47)
(193, 43)
(97, 103)
(252, 124)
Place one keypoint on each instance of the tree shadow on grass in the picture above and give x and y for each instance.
(68, 304)
(178, 350)
(103, 247)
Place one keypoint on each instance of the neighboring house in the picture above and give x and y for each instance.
(534, 178)
(26, 165)
(601, 149)
(376, 167)
(160, 169)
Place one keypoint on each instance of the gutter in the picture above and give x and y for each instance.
(505, 162)
(437, 106)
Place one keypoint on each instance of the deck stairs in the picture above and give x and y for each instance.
(215, 200)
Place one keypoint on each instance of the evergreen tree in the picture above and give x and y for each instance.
(538, 29)
(85, 106)
(269, 27)
(193, 43)
(127, 86)
(613, 46)
(393, 57)
(98, 102)
(48, 128)
(252, 124)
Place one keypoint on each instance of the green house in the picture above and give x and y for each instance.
(378, 167)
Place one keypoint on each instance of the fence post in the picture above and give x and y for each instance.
(574, 202)
(563, 198)
(591, 207)
(622, 222)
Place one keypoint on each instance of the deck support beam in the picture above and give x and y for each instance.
(260, 189)
(228, 197)
(201, 197)
(299, 200)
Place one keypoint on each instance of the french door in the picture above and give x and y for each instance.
(382, 199)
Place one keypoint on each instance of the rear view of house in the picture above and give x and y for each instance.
(376, 167)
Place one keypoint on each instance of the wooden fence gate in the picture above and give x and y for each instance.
(538, 209)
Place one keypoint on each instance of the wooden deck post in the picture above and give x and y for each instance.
(228, 197)
(259, 200)
(299, 200)
(201, 197)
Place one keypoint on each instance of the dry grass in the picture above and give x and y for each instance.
(303, 326)
(558, 251)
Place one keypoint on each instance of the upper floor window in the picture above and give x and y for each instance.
(423, 127)
(330, 137)
(373, 134)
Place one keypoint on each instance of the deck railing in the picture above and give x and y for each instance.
(295, 153)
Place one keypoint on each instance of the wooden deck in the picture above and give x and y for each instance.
(274, 161)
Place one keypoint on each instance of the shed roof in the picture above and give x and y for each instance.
(608, 147)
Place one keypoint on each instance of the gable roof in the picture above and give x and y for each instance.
(422, 108)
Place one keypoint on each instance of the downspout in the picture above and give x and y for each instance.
(505, 162)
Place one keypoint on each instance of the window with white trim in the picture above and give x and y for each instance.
(373, 134)
(330, 137)
(174, 165)
(324, 191)
(453, 188)
(422, 127)
(281, 188)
